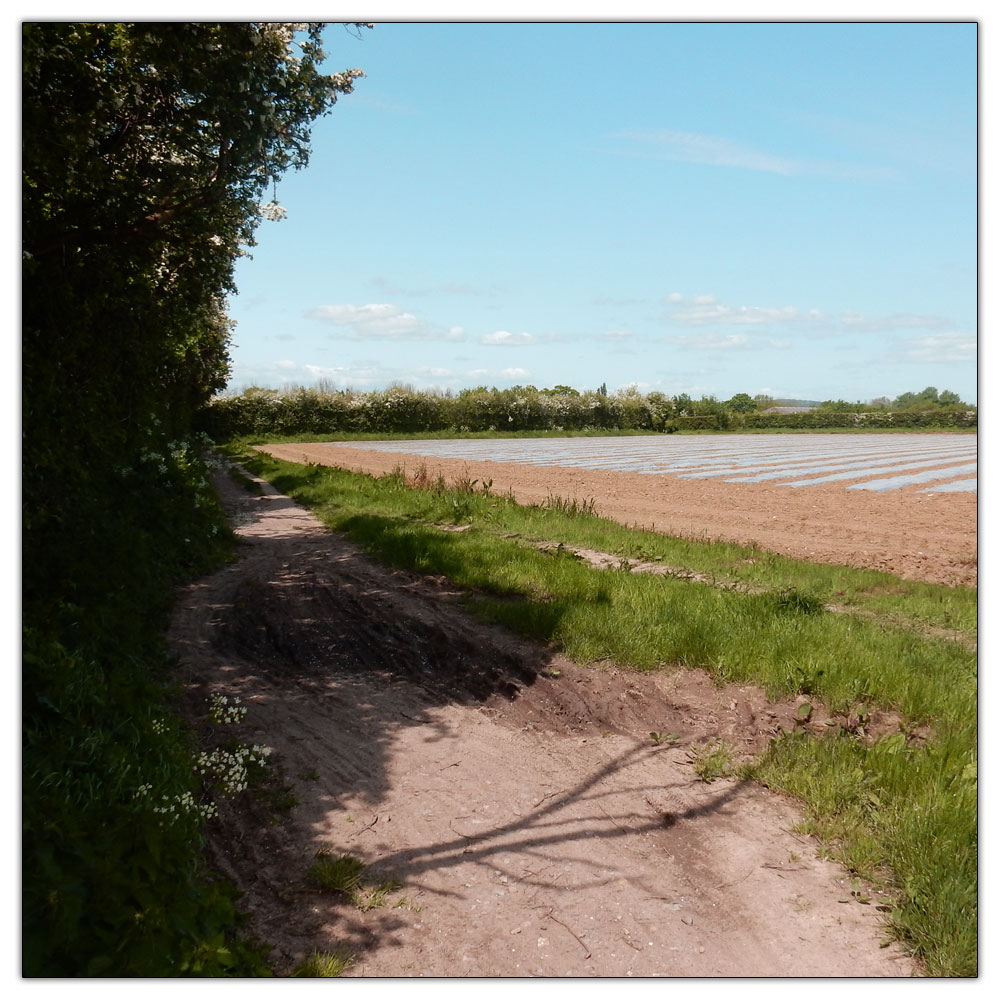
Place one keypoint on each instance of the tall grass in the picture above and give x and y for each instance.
(899, 811)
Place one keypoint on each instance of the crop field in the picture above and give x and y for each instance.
(939, 463)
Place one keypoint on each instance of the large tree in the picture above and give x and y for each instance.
(147, 150)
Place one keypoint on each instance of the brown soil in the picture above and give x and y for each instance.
(535, 827)
(918, 536)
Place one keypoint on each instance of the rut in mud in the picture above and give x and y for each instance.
(525, 820)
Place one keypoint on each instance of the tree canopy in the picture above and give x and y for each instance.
(146, 152)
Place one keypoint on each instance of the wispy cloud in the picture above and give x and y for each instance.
(718, 151)
(381, 321)
(690, 147)
(941, 348)
(504, 338)
(705, 310)
(712, 341)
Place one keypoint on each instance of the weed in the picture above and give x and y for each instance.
(791, 599)
(661, 738)
(395, 479)
(372, 897)
(323, 965)
(336, 874)
(345, 874)
(405, 903)
(570, 507)
(712, 761)
(420, 479)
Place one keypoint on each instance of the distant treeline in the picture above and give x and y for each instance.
(399, 409)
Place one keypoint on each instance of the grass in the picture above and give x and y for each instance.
(893, 602)
(345, 874)
(712, 761)
(898, 811)
(323, 965)
(336, 874)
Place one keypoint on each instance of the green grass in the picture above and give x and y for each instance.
(905, 603)
(323, 965)
(900, 811)
(712, 761)
(336, 874)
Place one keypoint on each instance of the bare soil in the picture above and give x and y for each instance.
(517, 798)
(915, 535)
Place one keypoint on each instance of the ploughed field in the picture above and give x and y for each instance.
(943, 463)
(902, 503)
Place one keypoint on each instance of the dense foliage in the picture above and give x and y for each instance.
(147, 149)
(525, 408)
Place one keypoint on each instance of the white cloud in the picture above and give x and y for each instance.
(514, 372)
(941, 348)
(711, 341)
(278, 374)
(895, 321)
(381, 321)
(706, 310)
(503, 338)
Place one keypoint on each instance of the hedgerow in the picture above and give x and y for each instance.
(147, 151)
(262, 412)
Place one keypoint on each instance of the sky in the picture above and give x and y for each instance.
(710, 208)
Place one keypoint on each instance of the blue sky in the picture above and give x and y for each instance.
(705, 208)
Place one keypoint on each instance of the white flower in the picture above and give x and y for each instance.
(273, 212)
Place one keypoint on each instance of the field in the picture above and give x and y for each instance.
(837, 499)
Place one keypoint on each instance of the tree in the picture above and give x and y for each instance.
(742, 403)
(146, 152)
(147, 149)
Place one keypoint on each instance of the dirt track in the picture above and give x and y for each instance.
(535, 827)
(915, 535)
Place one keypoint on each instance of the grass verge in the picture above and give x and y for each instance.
(900, 812)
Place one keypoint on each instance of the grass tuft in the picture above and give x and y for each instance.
(323, 965)
(336, 874)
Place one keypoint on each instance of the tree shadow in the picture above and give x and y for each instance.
(335, 655)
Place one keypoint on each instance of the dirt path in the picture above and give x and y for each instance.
(915, 535)
(535, 827)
